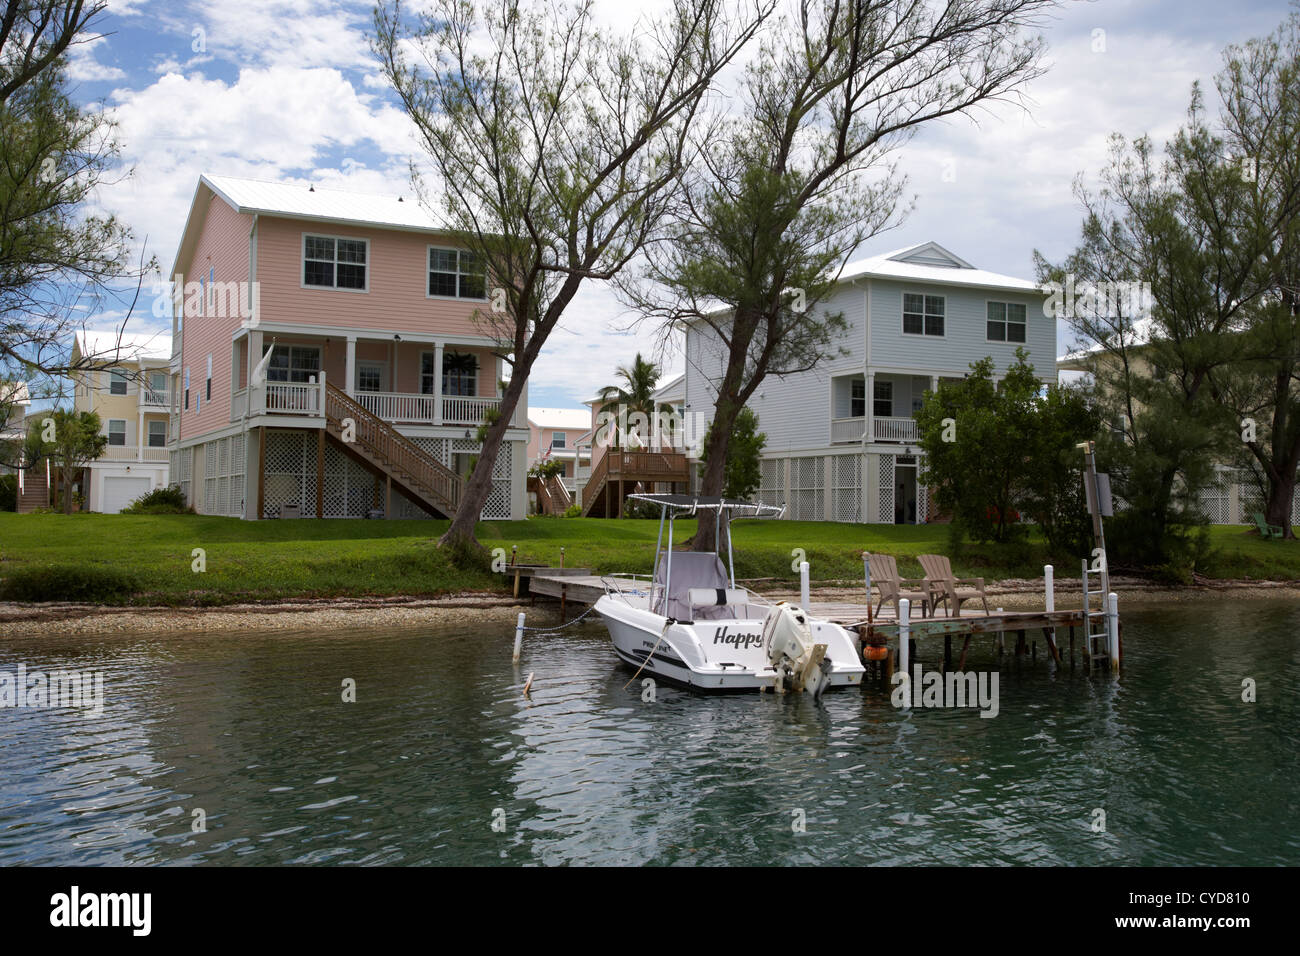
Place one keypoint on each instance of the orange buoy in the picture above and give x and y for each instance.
(875, 652)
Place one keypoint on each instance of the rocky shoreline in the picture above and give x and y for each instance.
(37, 620)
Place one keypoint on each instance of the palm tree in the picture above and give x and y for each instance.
(640, 379)
(458, 367)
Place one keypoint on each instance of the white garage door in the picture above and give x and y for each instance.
(120, 492)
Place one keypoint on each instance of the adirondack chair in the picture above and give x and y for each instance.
(1267, 530)
(944, 587)
(884, 575)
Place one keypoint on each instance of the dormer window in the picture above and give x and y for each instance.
(334, 263)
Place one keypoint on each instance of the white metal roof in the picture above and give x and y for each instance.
(565, 419)
(308, 201)
(114, 346)
(930, 262)
(673, 390)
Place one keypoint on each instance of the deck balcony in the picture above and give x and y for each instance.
(853, 430)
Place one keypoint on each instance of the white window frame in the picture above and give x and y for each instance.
(114, 376)
(889, 385)
(902, 314)
(320, 358)
(302, 263)
(853, 385)
(149, 437)
(111, 433)
(562, 437)
(428, 271)
(1005, 322)
(370, 367)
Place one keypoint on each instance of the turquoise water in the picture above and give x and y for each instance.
(250, 729)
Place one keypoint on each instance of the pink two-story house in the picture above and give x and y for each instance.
(379, 374)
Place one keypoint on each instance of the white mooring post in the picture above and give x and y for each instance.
(803, 585)
(519, 638)
(1112, 629)
(904, 637)
(1049, 591)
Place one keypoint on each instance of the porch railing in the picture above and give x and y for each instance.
(844, 430)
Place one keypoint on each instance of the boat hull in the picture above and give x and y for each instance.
(713, 656)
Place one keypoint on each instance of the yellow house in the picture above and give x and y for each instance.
(130, 390)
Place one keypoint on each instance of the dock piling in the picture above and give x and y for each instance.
(904, 642)
(1112, 629)
(519, 638)
(804, 588)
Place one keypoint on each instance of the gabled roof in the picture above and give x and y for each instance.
(931, 262)
(110, 347)
(565, 419)
(676, 388)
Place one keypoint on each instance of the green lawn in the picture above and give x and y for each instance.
(147, 559)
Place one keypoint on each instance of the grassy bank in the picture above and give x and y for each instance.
(147, 559)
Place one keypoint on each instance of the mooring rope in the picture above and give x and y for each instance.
(667, 624)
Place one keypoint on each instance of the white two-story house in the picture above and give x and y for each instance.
(841, 439)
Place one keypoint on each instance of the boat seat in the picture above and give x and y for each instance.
(716, 597)
(693, 571)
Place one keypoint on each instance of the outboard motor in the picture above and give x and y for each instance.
(788, 640)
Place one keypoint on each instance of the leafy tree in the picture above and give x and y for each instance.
(782, 194)
(744, 452)
(548, 469)
(77, 442)
(56, 253)
(997, 453)
(555, 145)
(975, 435)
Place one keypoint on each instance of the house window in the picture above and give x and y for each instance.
(455, 273)
(294, 363)
(922, 314)
(557, 439)
(157, 434)
(882, 404)
(858, 398)
(117, 431)
(370, 378)
(158, 387)
(1006, 322)
(116, 383)
(334, 263)
(459, 373)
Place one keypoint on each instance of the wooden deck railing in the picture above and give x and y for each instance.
(407, 462)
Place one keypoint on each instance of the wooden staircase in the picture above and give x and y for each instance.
(35, 493)
(552, 497)
(618, 473)
(386, 450)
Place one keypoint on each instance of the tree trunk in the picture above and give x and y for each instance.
(1281, 493)
(69, 474)
(475, 494)
(715, 470)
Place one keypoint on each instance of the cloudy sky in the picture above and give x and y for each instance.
(287, 90)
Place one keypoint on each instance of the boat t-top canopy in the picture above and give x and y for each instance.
(733, 507)
(673, 507)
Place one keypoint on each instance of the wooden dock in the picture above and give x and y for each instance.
(580, 586)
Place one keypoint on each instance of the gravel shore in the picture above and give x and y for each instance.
(37, 620)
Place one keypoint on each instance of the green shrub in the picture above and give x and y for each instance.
(90, 583)
(8, 492)
(169, 500)
(573, 511)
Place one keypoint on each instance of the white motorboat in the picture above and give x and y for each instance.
(688, 623)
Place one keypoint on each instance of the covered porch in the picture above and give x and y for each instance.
(878, 406)
(432, 382)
